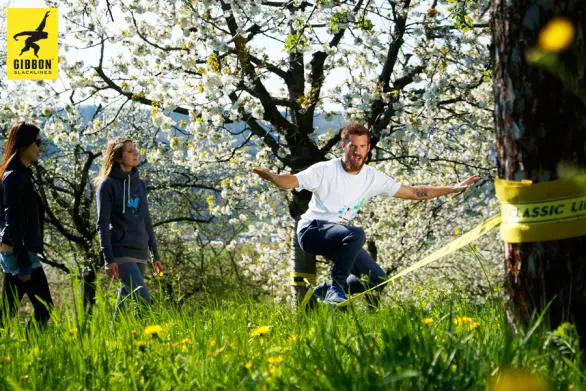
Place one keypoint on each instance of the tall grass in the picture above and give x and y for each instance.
(430, 341)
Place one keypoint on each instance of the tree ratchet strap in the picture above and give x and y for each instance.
(538, 212)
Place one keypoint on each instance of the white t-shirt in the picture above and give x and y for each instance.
(338, 195)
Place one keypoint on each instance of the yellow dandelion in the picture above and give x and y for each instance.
(557, 35)
(427, 321)
(454, 367)
(212, 342)
(262, 330)
(153, 330)
(216, 352)
(186, 341)
(462, 320)
(474, 325)
(276, 360)
(517, 379)
(73, 331)
(248, 365)
(457, 232)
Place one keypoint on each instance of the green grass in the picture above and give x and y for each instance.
(434, 342)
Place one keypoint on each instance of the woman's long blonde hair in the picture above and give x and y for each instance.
(112, 156)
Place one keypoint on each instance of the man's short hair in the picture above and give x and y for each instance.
(356, 129)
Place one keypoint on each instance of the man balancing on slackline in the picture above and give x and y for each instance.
(340, 187)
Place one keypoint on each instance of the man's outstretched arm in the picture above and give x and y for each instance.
(428, 192)
(284, 181)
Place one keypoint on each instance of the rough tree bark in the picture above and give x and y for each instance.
(540, 124)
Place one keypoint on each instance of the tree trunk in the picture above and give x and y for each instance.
(302, 262)
(89, 275)
(540, 124)
(89, 287)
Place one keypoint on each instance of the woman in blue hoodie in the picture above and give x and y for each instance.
(21, 225)
(124, 222)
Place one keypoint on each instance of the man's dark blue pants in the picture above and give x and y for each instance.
(343, 245)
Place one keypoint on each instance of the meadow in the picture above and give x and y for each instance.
(430, 341)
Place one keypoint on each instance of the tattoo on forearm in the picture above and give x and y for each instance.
(421, 193)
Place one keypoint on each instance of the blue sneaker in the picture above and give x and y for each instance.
(321, 290)
(335, 295)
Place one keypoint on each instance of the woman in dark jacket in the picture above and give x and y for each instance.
(21, 225)
(124, 222)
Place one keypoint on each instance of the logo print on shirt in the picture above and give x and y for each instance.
(347, 213)
(133, 203)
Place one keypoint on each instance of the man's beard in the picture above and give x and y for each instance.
(354, 165)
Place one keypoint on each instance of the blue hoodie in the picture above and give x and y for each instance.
(124, 222)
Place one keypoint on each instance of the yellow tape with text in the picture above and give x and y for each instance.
(537, 212)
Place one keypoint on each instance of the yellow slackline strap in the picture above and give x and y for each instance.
(456, 244)
(299, 279)
(303, 275)
(537, 212)
(530, 212)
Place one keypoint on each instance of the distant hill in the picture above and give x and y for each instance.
(320, 121)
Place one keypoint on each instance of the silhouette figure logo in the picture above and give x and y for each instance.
(32, 52)
(34, 36)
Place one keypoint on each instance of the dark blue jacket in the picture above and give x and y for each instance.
(22, 213)
(124, 222)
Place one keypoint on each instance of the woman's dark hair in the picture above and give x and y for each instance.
(20, 135)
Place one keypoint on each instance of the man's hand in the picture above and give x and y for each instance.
(112, 271)
(466, 183)
(284, 181)
(264, 174)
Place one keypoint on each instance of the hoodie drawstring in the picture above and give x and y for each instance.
(124, 197)
(128, 196)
